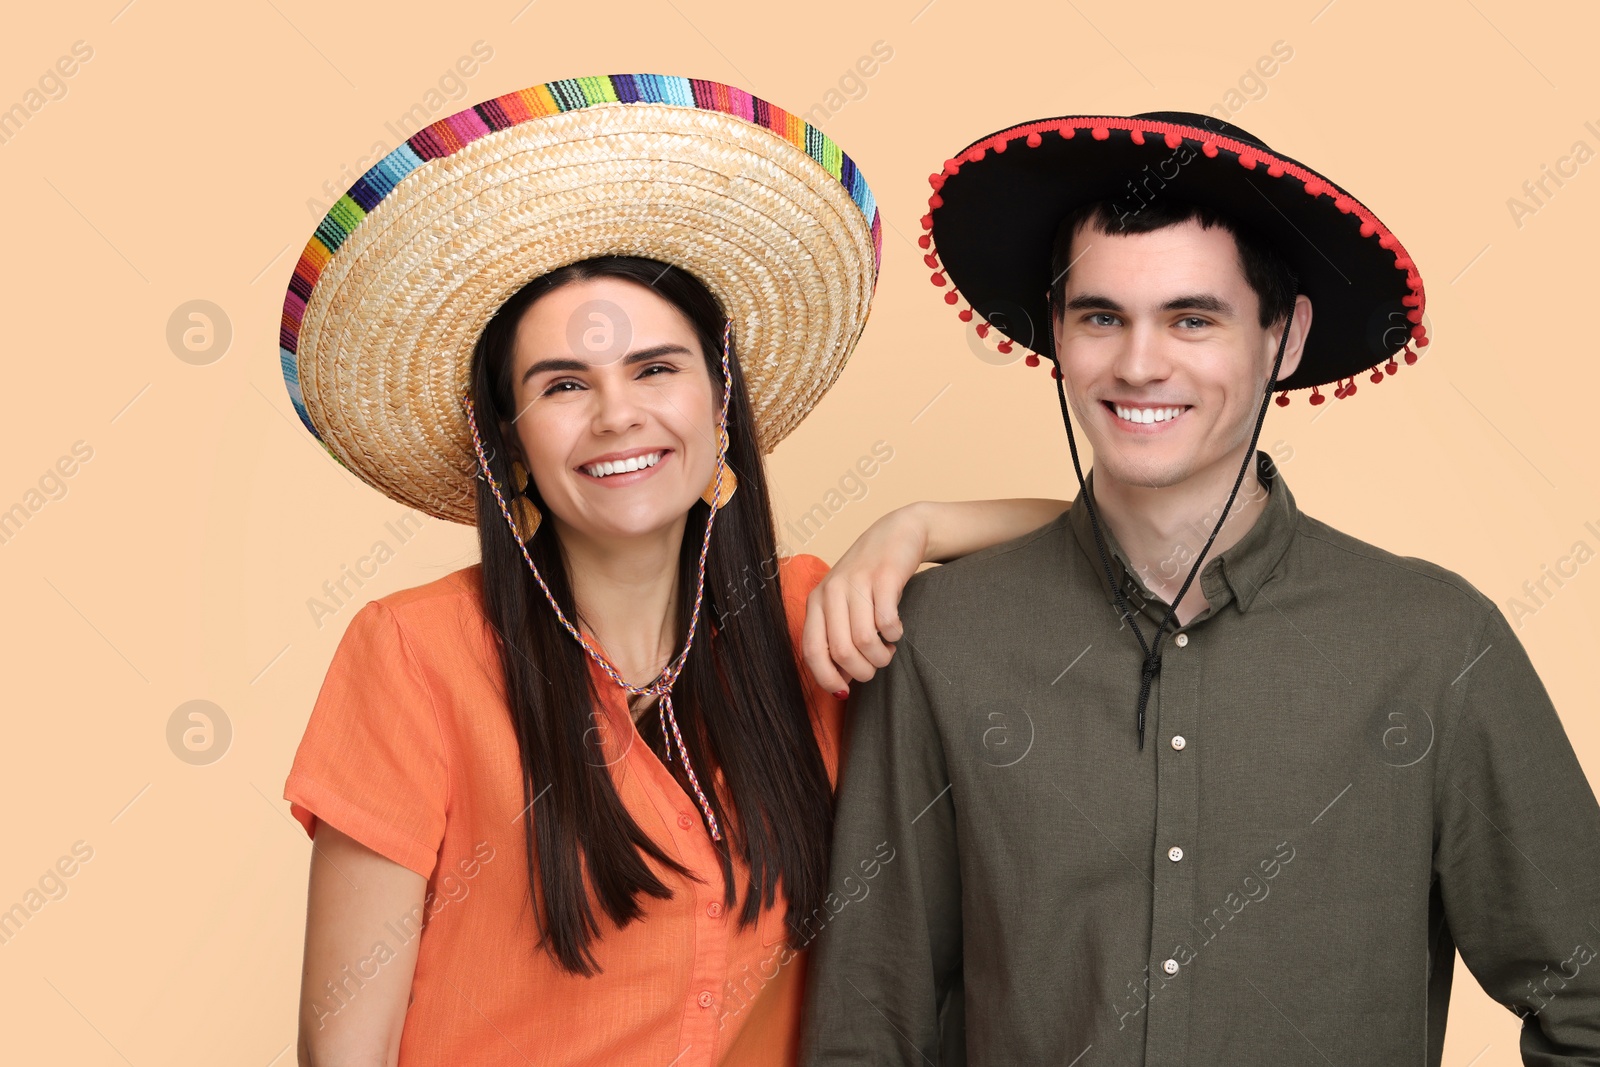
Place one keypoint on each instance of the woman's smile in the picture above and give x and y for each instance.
(618, 469)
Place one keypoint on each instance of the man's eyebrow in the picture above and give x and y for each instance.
(1199, 302)
(1091, 301)
(568, 364)
(1190, 302)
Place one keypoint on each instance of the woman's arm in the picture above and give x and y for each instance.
(852, 616)
(357, 977)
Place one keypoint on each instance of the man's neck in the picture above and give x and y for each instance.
(1162, 530)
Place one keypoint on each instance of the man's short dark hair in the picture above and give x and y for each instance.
(1264, 269)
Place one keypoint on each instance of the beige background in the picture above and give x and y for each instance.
(176, 563)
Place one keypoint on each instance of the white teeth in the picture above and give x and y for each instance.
(623, 466)
(1147, 414)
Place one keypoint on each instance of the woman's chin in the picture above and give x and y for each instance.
(631, 524)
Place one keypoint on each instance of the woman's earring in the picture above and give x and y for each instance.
(730, 482)
(523, 508)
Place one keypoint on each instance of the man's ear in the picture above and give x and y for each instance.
(1299, 327)
(1055, 318)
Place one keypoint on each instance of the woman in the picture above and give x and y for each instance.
(571, 805)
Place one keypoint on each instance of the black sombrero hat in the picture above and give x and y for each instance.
(996, 206)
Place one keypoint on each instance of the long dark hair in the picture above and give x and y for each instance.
(739, 700)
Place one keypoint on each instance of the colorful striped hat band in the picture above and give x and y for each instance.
(397, 283)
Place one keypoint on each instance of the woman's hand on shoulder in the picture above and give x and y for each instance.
(853, 613)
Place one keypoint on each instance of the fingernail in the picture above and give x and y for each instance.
(842, 694)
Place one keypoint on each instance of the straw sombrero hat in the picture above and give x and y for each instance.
(401, 276)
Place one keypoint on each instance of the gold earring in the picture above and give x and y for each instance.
(525, 512)
(730, 482)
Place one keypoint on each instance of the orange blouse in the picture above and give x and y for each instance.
(410, 751)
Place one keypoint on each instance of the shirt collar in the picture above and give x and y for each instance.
(1236, 574)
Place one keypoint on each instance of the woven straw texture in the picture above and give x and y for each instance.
(382, 353)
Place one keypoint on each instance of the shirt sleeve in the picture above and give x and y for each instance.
(798, 575)
(1518, 852)
(889, 954)
(372, 760)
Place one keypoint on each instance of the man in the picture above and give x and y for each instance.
(1155, 797)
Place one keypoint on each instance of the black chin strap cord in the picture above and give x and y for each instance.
(1152, 650)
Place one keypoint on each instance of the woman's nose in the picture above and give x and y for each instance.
(616, 409)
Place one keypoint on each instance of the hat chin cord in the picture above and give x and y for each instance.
(661, 687)
(1152, 649)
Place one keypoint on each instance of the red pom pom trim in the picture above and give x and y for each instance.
(1248, 157)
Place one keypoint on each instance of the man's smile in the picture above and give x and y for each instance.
(1145, 418)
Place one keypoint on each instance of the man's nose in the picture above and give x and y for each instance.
(1142, 357)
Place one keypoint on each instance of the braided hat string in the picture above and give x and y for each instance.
(662, 685)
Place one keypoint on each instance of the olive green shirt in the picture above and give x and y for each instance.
(1350, 771)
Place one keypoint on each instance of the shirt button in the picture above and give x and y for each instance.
(705, 998)
(684, 820)
(714, 908)
(1181, 640)
(1171, 967)
(1174, 853)
(1178, 742)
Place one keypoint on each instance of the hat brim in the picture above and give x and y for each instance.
(381, 349)
(997, 204)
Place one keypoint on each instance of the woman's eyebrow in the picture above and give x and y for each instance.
(566, 363)
(552, 365)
